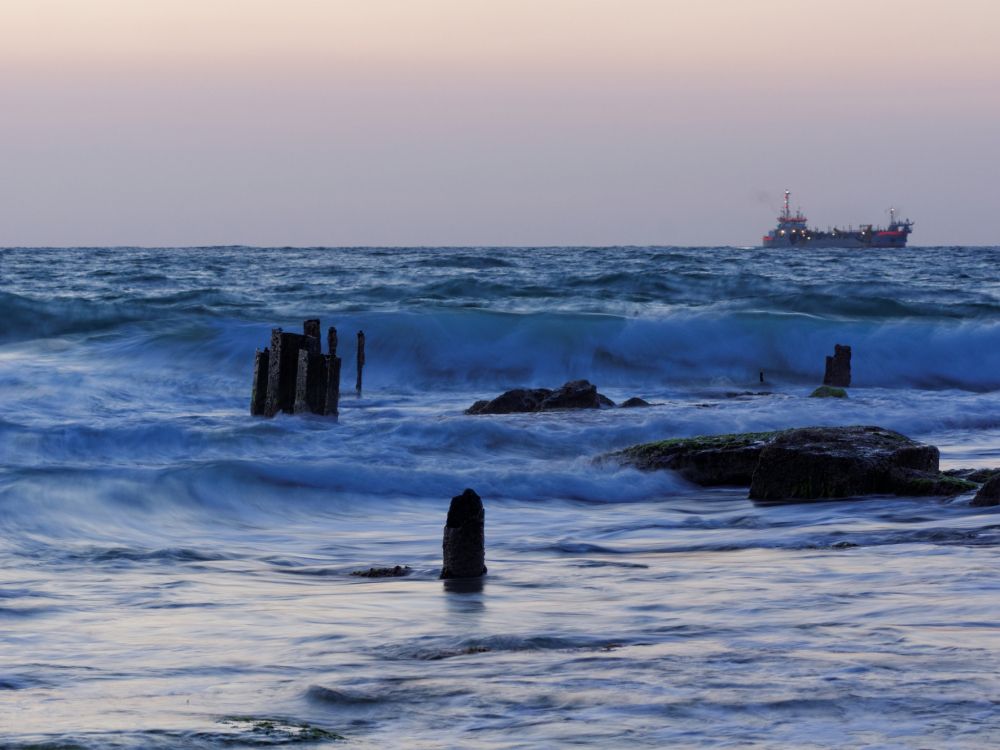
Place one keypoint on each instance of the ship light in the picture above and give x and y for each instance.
(782, 232)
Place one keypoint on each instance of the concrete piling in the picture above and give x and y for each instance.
(464, 543)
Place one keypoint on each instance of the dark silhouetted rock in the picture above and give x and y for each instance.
(838, 367)
(577, 394)
(512, 402)
(803, 464)
(989, 493)
(829, 462)
(828, 391)
(634, 402)
(464, 544)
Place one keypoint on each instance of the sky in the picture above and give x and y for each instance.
(493, 122)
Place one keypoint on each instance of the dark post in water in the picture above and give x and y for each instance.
(294, 376)
(361, 360)
(838, 367)
(464, 545)
(258, 396)
(331, 403)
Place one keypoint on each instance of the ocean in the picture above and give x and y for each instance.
(175, 573)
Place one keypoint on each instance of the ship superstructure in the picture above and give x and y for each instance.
(793, 231)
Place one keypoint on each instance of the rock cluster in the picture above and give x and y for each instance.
(576, 394)
(808, 463)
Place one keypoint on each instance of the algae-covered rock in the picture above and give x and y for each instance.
(809, 463)
(707, 460)
(989, 493)
(829, 462)
(828, 391)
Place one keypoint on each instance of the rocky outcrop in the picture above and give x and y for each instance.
(576, 394)
(829, 462)
(708, 460)
(809, 463)
(989, 493)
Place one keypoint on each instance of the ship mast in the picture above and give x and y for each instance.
(787, 213)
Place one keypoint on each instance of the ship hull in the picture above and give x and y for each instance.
(846, 242)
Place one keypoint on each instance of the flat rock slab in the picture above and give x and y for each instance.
(810, 463)
(708, 460)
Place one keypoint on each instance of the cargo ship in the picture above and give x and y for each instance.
(792, 231)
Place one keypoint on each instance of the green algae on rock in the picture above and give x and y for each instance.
(828, 391)
(809, 463)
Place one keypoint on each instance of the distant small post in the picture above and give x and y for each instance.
(361, 360)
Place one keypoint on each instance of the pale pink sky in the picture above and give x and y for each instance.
(421, 122)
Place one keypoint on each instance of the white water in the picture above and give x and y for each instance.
(168, 563)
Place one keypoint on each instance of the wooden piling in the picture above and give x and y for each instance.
(301, 382)
(464, 544)
(282, 370)
(361, 360)
(311, 327)
(331, 402)
(331, 341)
(838, 367)
(258, 395)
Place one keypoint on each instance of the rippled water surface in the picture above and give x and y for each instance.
(175, 573)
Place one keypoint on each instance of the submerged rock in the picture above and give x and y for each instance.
(576, 394)
(808, 463)
(838, 367)
(828, 391)
(393, 572)
(634, 402)
(989, 493)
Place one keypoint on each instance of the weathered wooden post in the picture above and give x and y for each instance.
(361, 360)
(464, 544)
(311, 328)
(838, 367)
(282, 369)
(258, 394)
(331, 402)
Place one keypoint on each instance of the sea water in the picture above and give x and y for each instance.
(176, 573)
